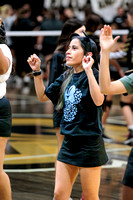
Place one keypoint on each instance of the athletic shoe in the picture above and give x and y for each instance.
(129, 140)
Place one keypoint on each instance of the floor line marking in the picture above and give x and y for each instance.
(54, 155)
(118, 149)
(29, 170)
(114, 164)
(30, 157)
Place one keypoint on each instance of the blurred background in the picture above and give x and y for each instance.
(34, 27)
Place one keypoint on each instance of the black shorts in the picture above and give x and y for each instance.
(5, 118)
(128, 176)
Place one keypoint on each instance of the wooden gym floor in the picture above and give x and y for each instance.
(32, 148)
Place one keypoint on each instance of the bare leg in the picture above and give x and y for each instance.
(105, 116)
(106, 112)
(126, 104)
(127, 112)
(5, 188)
(90, 181)
(64, 180)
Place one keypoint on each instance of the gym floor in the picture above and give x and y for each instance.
(31, 150)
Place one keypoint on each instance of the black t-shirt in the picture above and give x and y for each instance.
(80, 115)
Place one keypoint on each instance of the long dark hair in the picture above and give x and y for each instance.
(88, 45)
(69, 27)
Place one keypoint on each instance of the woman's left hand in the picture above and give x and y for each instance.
(87, 62)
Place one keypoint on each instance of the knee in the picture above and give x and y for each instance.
(3, 178)
(58, 194)
(2, 172)
(91, 196)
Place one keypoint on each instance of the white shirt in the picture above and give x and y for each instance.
(4, 77)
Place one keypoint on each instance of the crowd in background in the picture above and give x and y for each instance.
(22, 18)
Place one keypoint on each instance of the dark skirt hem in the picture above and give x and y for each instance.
(83, 165)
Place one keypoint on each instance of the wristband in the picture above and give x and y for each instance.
(36, 73)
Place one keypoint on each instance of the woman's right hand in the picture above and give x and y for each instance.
(106, 39)
(34, 62)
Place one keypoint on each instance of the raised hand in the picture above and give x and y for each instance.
(34, 62)
(106, 38)
(87, 62)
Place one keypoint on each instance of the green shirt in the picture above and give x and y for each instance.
(128, 83)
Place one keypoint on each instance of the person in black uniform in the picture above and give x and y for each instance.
(93, 23)
(57, 64)
(5, 111)
(77, 94)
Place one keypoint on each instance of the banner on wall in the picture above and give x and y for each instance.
(107, 9)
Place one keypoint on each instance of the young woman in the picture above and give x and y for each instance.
(57, 64)
(77, 95)
(121, 86)
(5, 111)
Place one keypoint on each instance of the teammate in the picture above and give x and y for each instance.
(5, 111)
(121, 86)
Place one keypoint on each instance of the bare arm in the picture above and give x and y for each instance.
(96, 94)
(34, 63)
(4, 61)
(106, 43)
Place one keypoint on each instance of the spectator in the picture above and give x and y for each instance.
(23, 46)
(121, 18)
(8, 15)
(93, 23)
(47, 44)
